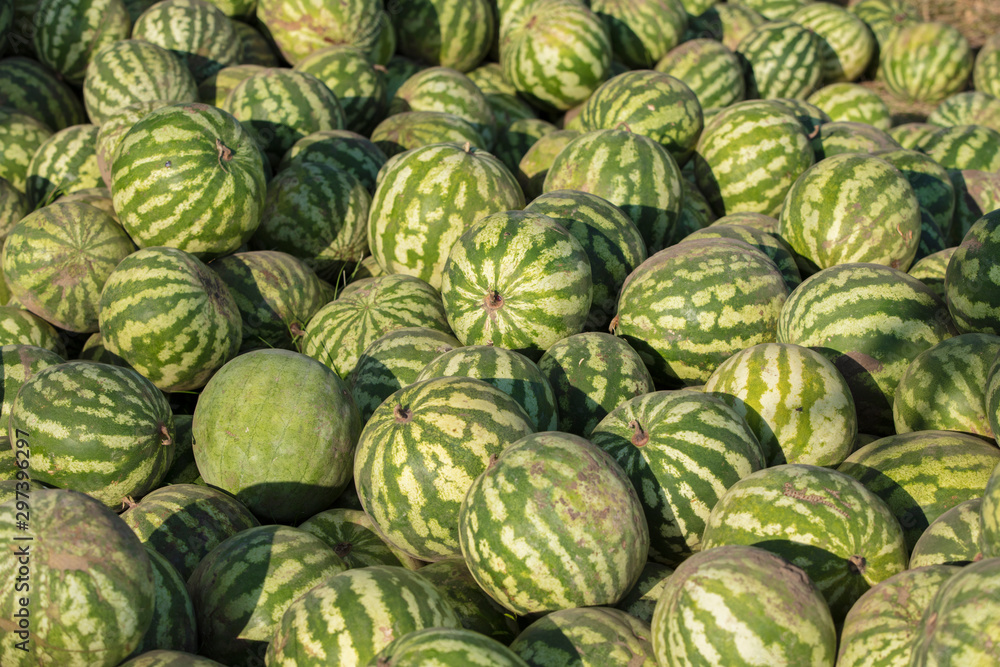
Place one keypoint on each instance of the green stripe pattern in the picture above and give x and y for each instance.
(931, 270)
(893, 317)
(913, 136)
(684, 315)
(853, 102)
(843, 137)
(300, 27)
(114, 128)
(68, 32)
(359, 87)
(987, 67)
(951, 539)
(133, 70)
(846, 45)
(976, 194)
(31, 88)
(883, 625)
(410, 229)
(925, 62)
(449, 91)
(710, 70)
(710, 612)
(448, 647)
(342, 149)
(185, 522)
(737, 178)
(20, 136)
(339, 332)
(966, 147)
(517, 136)
(768, 243)
(971, 283)
(944, 387)
(929, 180)
(91, 586)
(420, 452)
(57, 259)
(989, 517)
(517, 280)
(509, 371)
(65, 163)
(170, 317)
(553, 523)
(642, 32)
(778, 509)
(588, 636)
(628, 169)
(681, 450)
(407, 130)
(728, 23)
(884, 17)
(22, 327)
(83, 440)
(195, 31)
(640, 602)
(555, 53)
(921, 475)
(453, 33)
(242, 588)
(781, 59)
(852, 208)
(972, 107)
(354, 537)
(19, 364)
(173, 626)
(534, 167)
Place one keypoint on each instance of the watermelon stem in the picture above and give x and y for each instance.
(493, 301)
(167, 440)
(402, 414)
(640, 437)
(225, 153)
(857, 564)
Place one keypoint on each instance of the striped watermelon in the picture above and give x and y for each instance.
(970, 283)
(475, 609)
(446, 646)
(929, 180)
(781, 59)
(31, 88)
(409, 231)
(80, 442)
(555, 53)
(397, 70)
(21, 363)
(189, 176)
(56, 260)
(797, 404)
(768, 243)
(884, 17)
(913, 136)
(215, 89)
(920, 475)
(848, 137)
(195, 31)
(20, 136)
(255, 47)
(640, 602)
(585, 636)
(300, 27)
(628, 169)
(502, 97)
(681, 450)
(242, 588)
(944, 387)
(950, 539)
(810, 115)
(749, 156)
(534, 167)
(852, 208)
(452, 33)
(340, 332)
(846, 45)
(966, 147)
(276, 294)
(778, 508)
(173, 627)
(773, 10)
(931, 270)
(421, 450)
(130, 71)
(712, 72)
(986, 66)
(357, 83)
(114, 128)
(989, 516)
(447, 90)
(684, 314)
(170, 317)
(412, 129)
(516, 137)
(893, 318)
(962, 621)
(317, 213)
(349, 617)
(68, 32)
(592, 374)
(498, 292)
(342, 149)
(853, 102)
(277, 430)
(742, 605)
(354, 536)
(22, 327)
(726, 22)
(884, 624)
(976, 194)
(65, 163)
(969, 108)
(925, 62)
(82, 563)
(553, 523)
(642, 31)
(649, 103)
(509, 371)
(185, 522)
(394, 361)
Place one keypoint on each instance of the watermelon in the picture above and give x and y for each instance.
(913, 136)
(768, 243)
(893, 318)
(976, 194)
(22, 327)
(20, 363)
(684, 315)
(884, 17)
(56, 260)
(986, 66)
(65, 163)
(342, 149)
(80, 562)
(242, 588)
(300, 27)
(989, 517)
(944, 387)
(727, 23)
(778, 508)
(846, 45)
(110, 135)
(68, 32)
(884, 623)
(130, 71)
(536, 162)
(849, 137)
(931, 270)
(585, 636)
(195, 31)
(930, 182)
(781, 59)
(681, 450)
(951, 539)
(20, 137)
(397, 70)
(640, 602)
(254, 47)
(966, 147)
(446, 646)
(642, 31)
(412, 129)
(351, 616)
(447, 90)
(712, 72)
(358, 85)
(853, 102)
(969, 108)
(742, 605)
(925, 62)
(354, 537)
(517, 280)
(970, 283)
(451, 33)
(216, 88)
(173, 626)
(516, 137)
(29, 87)
(184, 522)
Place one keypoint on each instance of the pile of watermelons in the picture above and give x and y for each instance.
(498, 332)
